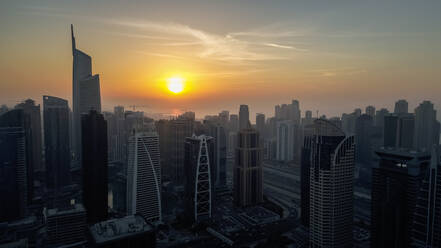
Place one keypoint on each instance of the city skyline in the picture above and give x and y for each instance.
(310, 53)
(216, 124)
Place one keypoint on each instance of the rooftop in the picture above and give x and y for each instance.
(72, 209)
(119, 228)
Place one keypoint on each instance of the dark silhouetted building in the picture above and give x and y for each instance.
(426, 228)
(244, 116)
(13, 190)
(305, 167)
(199, 169)
(331, 186)
(234, 123)
(363, 134)
(172, 136)
(401, 107)
(94, 166)
(247, 172)
(66, 227)
(379, 117)
(218, 132)
(129, 232)
(370, 110)
(56, 142)
(260, 124)
(426, 127)
(85, 92)
(399, 131)
(395, 184)
(32, 128)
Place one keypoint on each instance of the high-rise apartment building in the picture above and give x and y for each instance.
(234, 123)
(426, 127)
(244, 116)
(13, 188)
(285, 140)
(331, 186)
(94, 166)
(370, 110)
(395, 184)
(305, 170)
(18, 118)
(85, 92)
(32, 128)
(260, 124)
(401, 107)
(399, 130)
(426, 228)
(144, 176)
(56, 142)
(247, 172)
(172, 136)
(363, 138)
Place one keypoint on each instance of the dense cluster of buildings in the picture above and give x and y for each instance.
(83, 177)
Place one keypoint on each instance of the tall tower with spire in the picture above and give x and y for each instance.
(85, 92)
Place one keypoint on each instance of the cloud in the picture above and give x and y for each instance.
(214, 46)
(160, 55)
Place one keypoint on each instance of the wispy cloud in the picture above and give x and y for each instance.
(336, 72)
(164, 55)
(214, 46)
(232, 47)
(278, 46)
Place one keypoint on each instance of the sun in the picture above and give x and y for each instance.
(175, 84)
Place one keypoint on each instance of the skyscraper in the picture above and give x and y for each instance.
(401, 107)
(172, 136)
(56, 142)
(32, 128)
(144, 176)
(331, 186)
(94, 166)
(117, 135)
(218, 132)
(244, 117)
(85, 92)
(19, 119)
(370, 110)
(285, 140)
(260, 124)
(399, 130)
(426, 126)
(307, 120)
(13, 188)
(294, 113)
(395, 184)
(199, 169)
(305, 170)
(379, 117)
(247, 172)
(363, 132)
(426, 228)
(234, 123)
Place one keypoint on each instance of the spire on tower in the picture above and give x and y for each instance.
(73, 38)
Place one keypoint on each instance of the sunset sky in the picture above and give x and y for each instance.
(333, 56)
